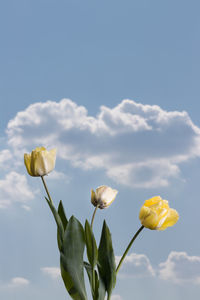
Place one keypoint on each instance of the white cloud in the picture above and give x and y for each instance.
(116, 297)
(26, 207)
(55, 175)
(136, 266)
(181, 268)
(53, 272)
(15, 282)
(14, 188)
(136, 145)
(5, 158)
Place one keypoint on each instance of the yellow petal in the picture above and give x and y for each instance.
(27, 162)
(38, 149)
(148, 217)
(50, 160)
(93, 198)
(152, 201)
(37, 163)
(171, 219)
(41, 163)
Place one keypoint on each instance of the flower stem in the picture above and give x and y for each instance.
(94, 213)
(46, 189)
(128, 247)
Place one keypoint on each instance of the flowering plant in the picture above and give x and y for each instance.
(73, 238)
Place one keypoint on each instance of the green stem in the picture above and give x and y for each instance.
(94, 213)
(93, 283)
(93, 272)
(127, 249)
(46, 189)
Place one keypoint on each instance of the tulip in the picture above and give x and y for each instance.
(103, 196)
(156, 214)
(40, 162)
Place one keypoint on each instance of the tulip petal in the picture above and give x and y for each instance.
(171, 219)
(27, 162)
(93, 198)
(148, 218)
(39, 163)
(152, 201)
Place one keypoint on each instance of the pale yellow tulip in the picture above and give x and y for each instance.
(103, 196)
(40, 162)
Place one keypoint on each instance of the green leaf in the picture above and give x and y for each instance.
(89, 273)
(92, 252)
(69, 284)
(106, 260)
(60, 234)
(62, 215)
(100, 291)
(71, 259)
(96, 292)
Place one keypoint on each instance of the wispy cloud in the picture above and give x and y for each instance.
(135, 144)
(116, 297)
(15, 282)
(52, 272)
(55, 175)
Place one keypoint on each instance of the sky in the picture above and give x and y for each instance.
(114, 86)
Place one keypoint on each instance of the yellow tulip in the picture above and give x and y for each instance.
(40, 162)
(103, 196)
(156, 214)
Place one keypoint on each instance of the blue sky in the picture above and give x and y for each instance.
(114, 86)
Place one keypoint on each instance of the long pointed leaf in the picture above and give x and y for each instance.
(89, 273)
(100, 291)
(60, 235)
(63, 218)
(106, 260)
(62, 215)
(92, 252)
(71, 259)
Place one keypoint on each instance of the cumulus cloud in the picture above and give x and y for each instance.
(15, 282)
(136, 266)
(14, 188)
(181, 268)
(53, 272)
(5, 158)
(135, 144)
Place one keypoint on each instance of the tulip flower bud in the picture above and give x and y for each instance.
(156, 214)
(103, 196)
(40, 162)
